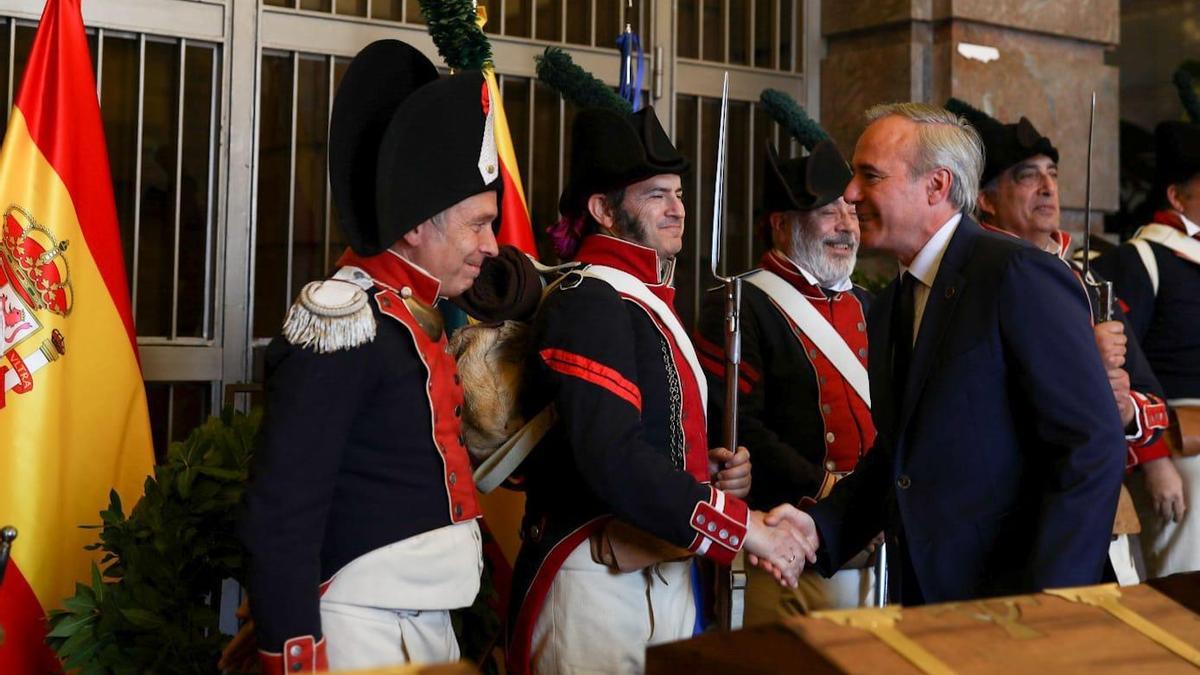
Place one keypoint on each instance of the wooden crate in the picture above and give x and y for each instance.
(1019, 635)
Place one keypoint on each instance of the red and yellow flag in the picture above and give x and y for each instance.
(73, 420)
(516, 228)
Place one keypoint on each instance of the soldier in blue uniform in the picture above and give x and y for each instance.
(804, 412)
(620, 493)
(1157, 275)
(360, 517)
(1019, 195)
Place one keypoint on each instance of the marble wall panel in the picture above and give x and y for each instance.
(1091, 20)
(1048, 80)
(1156, 36)
(843, 16)
(863, 70)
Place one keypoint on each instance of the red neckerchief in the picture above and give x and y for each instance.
(776, 262)
(392, 272)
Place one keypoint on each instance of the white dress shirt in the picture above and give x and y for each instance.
(1191, 228)
(924, 268)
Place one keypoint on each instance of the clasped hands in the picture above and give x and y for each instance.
(781, 541)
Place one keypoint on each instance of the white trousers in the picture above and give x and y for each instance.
(1169, 547)
(367, 637)
(1122, 557)
(599, 621)
(391, 606)
(767, 601)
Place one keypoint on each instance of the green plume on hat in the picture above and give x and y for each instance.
(974, 116)
(788, 114)
(1186, 87)
(556, 69)
(461, 43)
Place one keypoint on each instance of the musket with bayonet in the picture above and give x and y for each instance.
(733, 586)
(1100, 293)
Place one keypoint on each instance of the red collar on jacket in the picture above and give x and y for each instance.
(1063, 239)
(394, 273)
(1172, 219)
(776, 262)
(640, 261)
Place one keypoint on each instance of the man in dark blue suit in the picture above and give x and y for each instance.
(1000, 450)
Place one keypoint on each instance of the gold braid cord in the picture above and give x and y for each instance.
(1108, 598)
(881, 622)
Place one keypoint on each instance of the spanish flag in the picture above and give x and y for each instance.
(73, 421)
(516, 228)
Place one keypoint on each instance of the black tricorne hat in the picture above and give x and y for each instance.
(1177, 152)
(1005, 145)
(405, 145)
(610, 150)
(804, 183)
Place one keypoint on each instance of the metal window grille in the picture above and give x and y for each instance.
(160, 101)
(207, 195)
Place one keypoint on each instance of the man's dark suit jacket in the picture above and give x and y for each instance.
(999, 474)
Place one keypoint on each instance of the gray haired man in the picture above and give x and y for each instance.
(999, 451)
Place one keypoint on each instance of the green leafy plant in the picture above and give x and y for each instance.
(151, 606)
(459, 40)
(556, 69)
(787, 113)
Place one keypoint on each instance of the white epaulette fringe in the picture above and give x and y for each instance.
(329, 316)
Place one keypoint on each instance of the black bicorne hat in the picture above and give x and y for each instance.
(804, 183)
(1005, 145)
(610, 150)
(405, 145)
(1177, 152)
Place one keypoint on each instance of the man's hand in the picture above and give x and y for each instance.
(1111, 340)
(1118, 379)
(730, 471)
(781, 542)
(1166, 488)
(241, 654)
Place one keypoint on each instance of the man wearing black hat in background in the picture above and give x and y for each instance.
(1019, 195)
(804, 411)
(1157, 279)
(618, 493)
(360, 517)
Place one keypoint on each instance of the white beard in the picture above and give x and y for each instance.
(809, 252)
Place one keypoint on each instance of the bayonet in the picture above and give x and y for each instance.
(1100, 293)
(734, 584)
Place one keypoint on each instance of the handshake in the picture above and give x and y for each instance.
(781, 542)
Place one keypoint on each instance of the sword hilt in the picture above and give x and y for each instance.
(1101, 298)
(7, 536)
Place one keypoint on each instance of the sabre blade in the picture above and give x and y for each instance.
(1087, 200)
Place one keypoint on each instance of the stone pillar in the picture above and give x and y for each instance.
(1037, 58)
(1156, 36)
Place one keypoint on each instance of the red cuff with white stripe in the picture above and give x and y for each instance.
(300, 655)
(720, 525)
(1148, 453)
(1150, 416)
